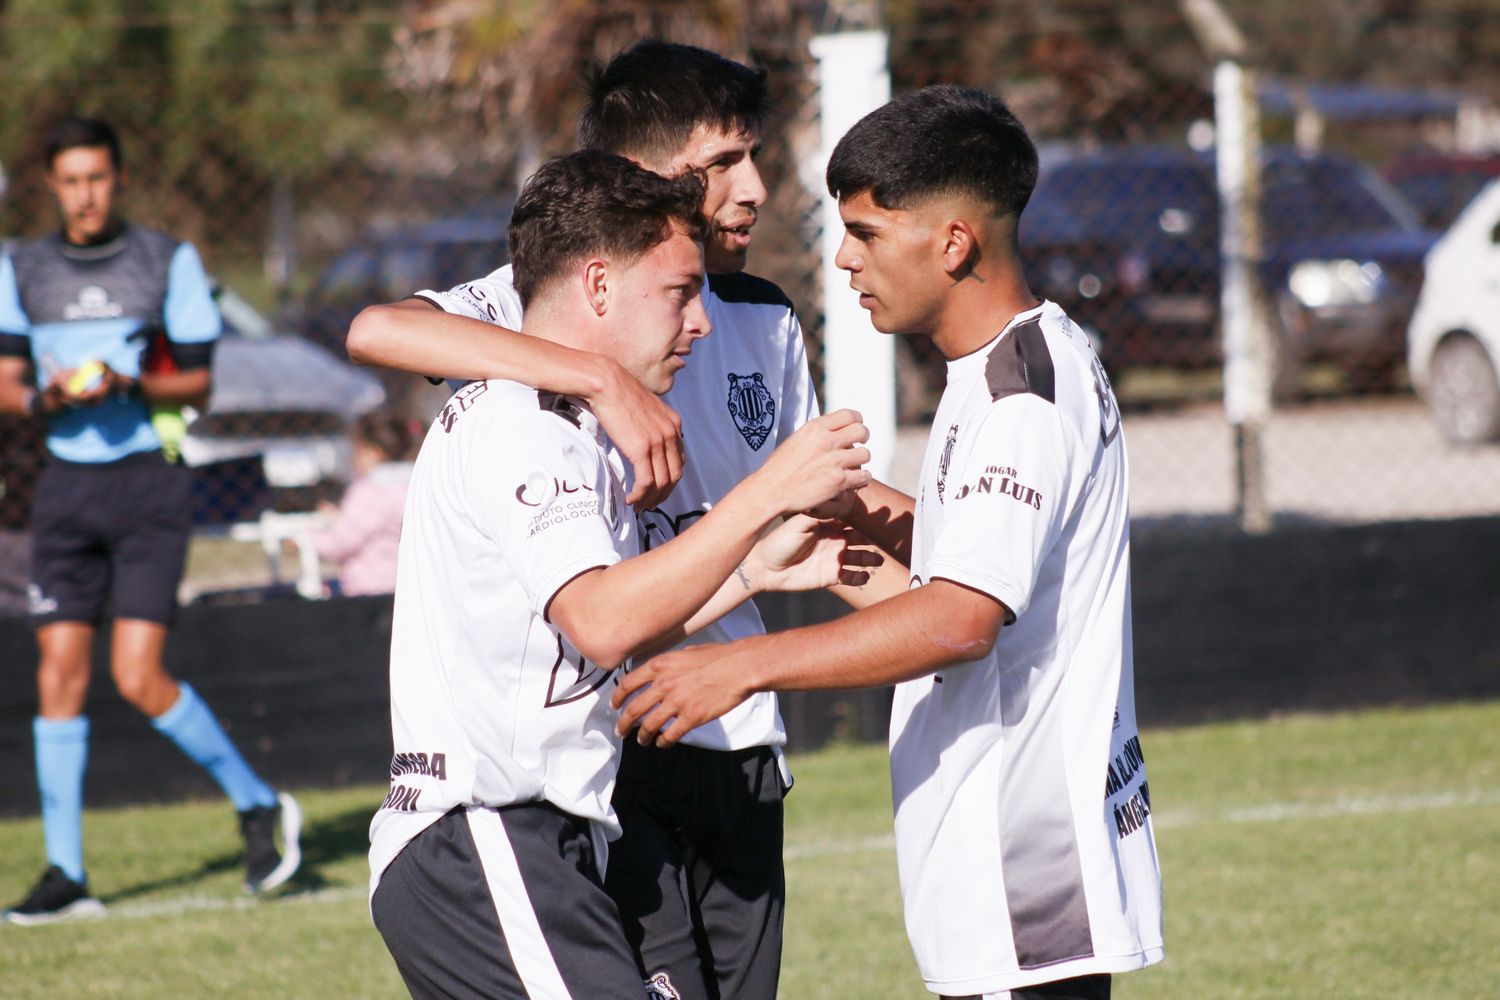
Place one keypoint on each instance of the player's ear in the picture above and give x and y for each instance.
(960, 248)
(596, 285)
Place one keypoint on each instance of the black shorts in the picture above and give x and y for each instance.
(504, 903)
(109, 540)
(698, 873)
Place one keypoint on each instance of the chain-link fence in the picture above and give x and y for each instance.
(324, 156)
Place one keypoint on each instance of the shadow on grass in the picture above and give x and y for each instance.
(324, 841)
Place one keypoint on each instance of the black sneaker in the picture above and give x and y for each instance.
(266, 867)
(55, 897)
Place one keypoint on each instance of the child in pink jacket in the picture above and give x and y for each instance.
(366, 530)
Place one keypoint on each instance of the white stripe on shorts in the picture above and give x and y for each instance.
(523, 933)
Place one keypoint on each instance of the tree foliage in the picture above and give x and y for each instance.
(213, 99)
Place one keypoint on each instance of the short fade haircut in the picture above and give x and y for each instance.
(646, 101)
(591, 202)
(940, 140)
(76, 133)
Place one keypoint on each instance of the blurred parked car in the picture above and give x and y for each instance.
(388, 266)
(1453, 345)
(1440, 186)
(283, 399)
(1127, 241)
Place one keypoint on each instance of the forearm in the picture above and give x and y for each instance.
(414, 336)
(183, 387)
(885, 516)
(604, 612)
(911, 635)
(733, 592)
(887, 580)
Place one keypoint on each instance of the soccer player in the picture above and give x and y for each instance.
(110, 515)
(1023, 828)
(522, 585)
(698, 874)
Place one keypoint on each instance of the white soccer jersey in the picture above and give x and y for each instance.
(746, 388)
(514, 494)
(1023, 829)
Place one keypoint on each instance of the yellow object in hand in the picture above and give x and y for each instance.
(87, 376)
(171, 426)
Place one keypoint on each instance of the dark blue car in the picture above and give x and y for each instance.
(1127, 241)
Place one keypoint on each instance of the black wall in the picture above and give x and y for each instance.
(1225, 626)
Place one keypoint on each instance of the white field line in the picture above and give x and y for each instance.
(1273, 812)
(176, 906)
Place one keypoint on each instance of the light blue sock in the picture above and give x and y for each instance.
(192, 726)
(62, 750)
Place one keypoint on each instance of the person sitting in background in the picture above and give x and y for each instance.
(366, 529)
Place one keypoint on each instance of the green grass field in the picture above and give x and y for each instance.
(1351, 855)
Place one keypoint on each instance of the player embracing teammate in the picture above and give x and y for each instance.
(521, 588)
(1009, 639)
(698, 873)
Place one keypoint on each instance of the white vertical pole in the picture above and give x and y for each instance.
(859, 369)
(1247, 341)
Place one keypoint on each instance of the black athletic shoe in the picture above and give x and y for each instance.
(55, 897)
(266, 867)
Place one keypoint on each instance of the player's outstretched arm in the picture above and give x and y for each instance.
(916, 633)
(414, 336)
(883, 580)
(610, 613)
(802, 553)
(885, 516)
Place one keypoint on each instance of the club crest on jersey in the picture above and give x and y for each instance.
(751, 406)
(659, 987)
(945, 460)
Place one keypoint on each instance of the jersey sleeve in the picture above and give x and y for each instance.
(548, 505)
(1008, 496)
(15, 325)
(492, 299)
(189, 314)
(799, 398)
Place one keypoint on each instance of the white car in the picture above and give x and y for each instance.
(1453, 342)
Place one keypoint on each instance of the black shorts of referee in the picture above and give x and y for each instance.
(109, 539)
(698, 874)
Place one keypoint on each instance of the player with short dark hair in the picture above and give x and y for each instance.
(701, 888)
(523, 585)
(1023, 818)
(111, 512)
(647, 102)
